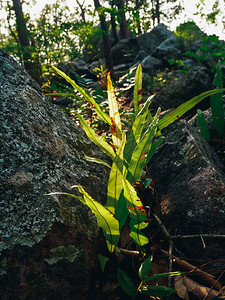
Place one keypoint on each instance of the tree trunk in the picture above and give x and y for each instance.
(124, 32)
(157, 11)
(137, 7)
(113, 23)
(106, 41)
(32, 67)
(82, 10)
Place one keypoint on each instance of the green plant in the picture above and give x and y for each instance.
(145, 286)
(179, 64)
(130, 153)
(217, 109)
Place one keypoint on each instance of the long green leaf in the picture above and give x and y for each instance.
(140, 154)
(116, 126)
(203, 126)
(157, 291)
(136, 131)
(103, 260)
(126, 283)
(153, 149)
(183, 108)
(145, 268)
(138, 217)
(106, 148)
(162, 275)
(115, 183)
(88, 98)
(137, 89)
(121, 212)
(216, 102)
(105, 219)
(97, 160)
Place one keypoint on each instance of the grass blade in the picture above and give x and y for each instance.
(106, 148)
(97, 160)
(137, 89)
(183, 108)
(88, 98)
(105, 219)
(115, 183)
(116, 126)
(140, 154)
(136, 131)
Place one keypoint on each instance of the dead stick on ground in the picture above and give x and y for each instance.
(208, 278)
(191, 236)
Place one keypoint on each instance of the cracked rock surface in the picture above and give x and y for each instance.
(43, 152)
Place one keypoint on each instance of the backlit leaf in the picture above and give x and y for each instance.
(115, 183)
(116, 127)
(105, 219)
(183, 108)
(106, 148)
(140, 153)
(137, 89)
(97, 160)
(88, 98)
(136, 131)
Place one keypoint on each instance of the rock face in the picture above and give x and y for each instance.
(48, 249)
(195, 82)
(191, 190)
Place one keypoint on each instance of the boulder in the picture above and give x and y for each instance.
(150, 41)
(196, 81)
(49, 244)
(150, 65)
(82, 69)
(125, 51)
(140, 56)
(168, 49)
(191, 191)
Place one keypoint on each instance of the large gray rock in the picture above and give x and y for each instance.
(191, 191)
(168, 49)
(150, 65)
(125, 51)
(197, 80)
(150, 41)
(48, 250)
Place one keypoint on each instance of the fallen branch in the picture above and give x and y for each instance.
(192, 236)
(192, 270)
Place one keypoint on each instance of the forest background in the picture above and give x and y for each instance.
(39, 34)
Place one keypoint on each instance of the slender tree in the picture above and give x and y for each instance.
(113, 21)
(105, 38)
(26, 42)
(124, 32)
(82, 10)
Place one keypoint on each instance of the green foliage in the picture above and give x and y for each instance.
(203, 126)
(216, 102)
(217, 109)
(145, 286)
(209, 48)
(179, 65)
(130, 152)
